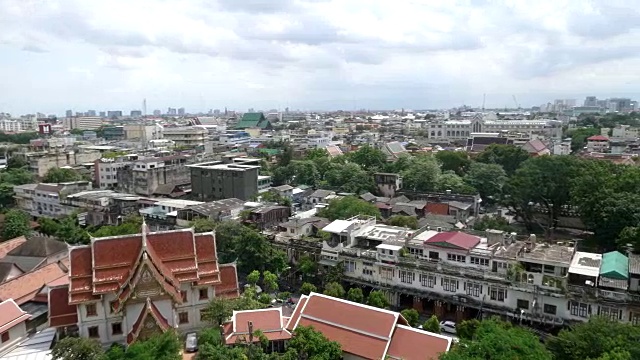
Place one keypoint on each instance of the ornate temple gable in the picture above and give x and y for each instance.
(149, 322)
(147, 283)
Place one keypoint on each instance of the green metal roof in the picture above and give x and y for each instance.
(615, 266)
(250, 120)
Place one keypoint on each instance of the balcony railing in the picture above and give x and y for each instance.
(450, 269)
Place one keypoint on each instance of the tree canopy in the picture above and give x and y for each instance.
(16, 223)
(60, 175)
(347, 207)
(508, 156)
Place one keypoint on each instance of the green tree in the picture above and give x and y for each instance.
(307, 288)
(421, 174)
(16, 162)
(316, 153)
(310, 344)
(493, 222)
(334, 289)
(269, 281)
(488, 179)
(467, 329)
(6, 195)
(449, 180)
(210, 335)
(69, 231)
(599, 338)
(201, 225)
(411, 315)
(508, 156)
(368, 157)
(347, 207)
(432, 325)
(410, 222)
(306, 173)
(253, 278)
(219, 310)
(164, 346)
(16, 223)
(349, 177)
(497, 340)
(18, 176)
(579, 137)
(131, 225)
(355, 295)
(378, 299)
(456, 161)
(73, 348)
(307, 267)
(61, 175)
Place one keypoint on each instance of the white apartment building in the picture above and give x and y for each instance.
(44, 200)
(457, 275)
(186, 136)
(143, 132)
(462, 129)
(7, 125)
(106, 172)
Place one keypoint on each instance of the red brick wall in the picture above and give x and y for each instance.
(437, 208)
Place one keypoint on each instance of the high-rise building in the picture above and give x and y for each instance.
(157, 112)
(136, 113)
(103, 114)
(181, 111)
(172, 111)
(114, 114)
(591, 101)
(91, 113)
(215, 180)
(69, 113)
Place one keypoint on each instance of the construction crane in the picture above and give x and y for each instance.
(516, 101)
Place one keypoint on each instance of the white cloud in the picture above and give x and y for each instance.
(308, 53)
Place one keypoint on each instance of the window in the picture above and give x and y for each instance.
(549, 269)
(473, 289)
(434, 255)
(549, 309)
(91, 310)
(522, 304)
(116, 328)
(386, 273)
(407, 277)
(610, 313)
(579, 309)
(183, 295)
(497, 294)
(634, 318)
(456, 258)
(367, 272)
(183, 318)
(450, 285)
(349, 266)
(427, 280)
(112, 307)
(479, 261)
(204, 294)
(93, 332)
(5, 336)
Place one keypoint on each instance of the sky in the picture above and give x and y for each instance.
(313, 54)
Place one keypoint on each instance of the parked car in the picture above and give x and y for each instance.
(191, 344)
(448, 327)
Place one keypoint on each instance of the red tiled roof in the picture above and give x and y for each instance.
(61, 314)
(361, 330)
(296, 313)
(27, 286)
(229, 286)
(454, 239)
(109, 264)
(269, 321)
(152, 310)
(9, 245)
(11, 315)
(597, 138)
(408, 343)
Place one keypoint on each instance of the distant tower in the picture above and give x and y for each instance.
(144, 107)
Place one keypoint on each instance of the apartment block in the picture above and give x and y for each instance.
(47, 200)
(217, 180)
(186, 136)
(146, 176)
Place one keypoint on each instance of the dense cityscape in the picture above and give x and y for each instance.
(319, 180)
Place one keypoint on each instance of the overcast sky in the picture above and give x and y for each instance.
(312, 54)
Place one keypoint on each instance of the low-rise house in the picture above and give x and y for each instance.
(388, 183)
(47, 200)
(12, 325)
(161, 214)
(35, 252)
(215, 210)
(103, 207)
(394, 150)
(319, 197)
(268, 216)
(536, 147)
(285, 191)
(297, 228)
(363, 332)
(598, 144)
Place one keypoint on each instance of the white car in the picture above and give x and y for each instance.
(448, 327)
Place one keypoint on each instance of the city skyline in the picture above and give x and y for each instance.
(312, 55)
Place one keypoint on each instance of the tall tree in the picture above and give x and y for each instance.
(16, 223)
(368, 157)
(269, 281)
(449, 180)
(498, 340)
(422, 174)
(73, 348)
(456, 161)
(311, 344)
(347, 207)
(508, 156)
(488, 179)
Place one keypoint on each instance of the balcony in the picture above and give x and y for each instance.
(441, 267)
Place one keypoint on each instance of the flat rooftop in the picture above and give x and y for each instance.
(585, 263)
(218, 165)
(556, 254)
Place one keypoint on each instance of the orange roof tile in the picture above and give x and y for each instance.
(26, 286)
(9, 245)
(60, 312)
(11, 315)
(229, 277)
(296, 313)
(269, 321)
(408, 343)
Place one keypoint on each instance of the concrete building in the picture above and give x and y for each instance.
(598, 143)
(13, 327)
(42, 161)
(143, 132)
(47, 200)
(186, 136)
(462, 129)
(102, 207)
(145, 176)
(216, 180)
(106, 170)
(82, 122)
(121, 289)
(7, 125)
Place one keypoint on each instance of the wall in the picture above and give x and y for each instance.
(16, 334)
